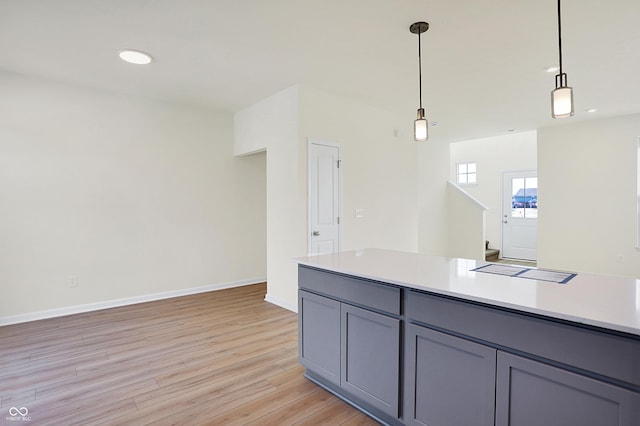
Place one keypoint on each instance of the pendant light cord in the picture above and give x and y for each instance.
(420, 68)
(559, 37)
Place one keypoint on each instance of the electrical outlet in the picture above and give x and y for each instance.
(74, 282)
(619, 258)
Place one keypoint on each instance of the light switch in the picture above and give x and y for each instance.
(359, 213)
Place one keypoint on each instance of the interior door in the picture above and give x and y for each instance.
(520, 215)
(324, 198)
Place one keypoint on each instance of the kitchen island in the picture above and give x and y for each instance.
(427, 340)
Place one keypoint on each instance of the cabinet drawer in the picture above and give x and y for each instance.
(610, 355)
(352, 290)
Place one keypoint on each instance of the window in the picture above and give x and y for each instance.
(466, 173)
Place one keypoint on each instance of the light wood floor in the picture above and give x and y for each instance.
(219, 358)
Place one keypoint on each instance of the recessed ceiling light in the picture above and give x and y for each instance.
(591, 110)
(510, 130)
(434, 123)
(135, 57)
(551, 68)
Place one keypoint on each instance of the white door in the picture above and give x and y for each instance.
(324, 198)
(520, 215)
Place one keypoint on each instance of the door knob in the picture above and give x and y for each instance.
(505, 221)
(315, 233)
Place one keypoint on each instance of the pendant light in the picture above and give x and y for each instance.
(562, 96)
(420, 126)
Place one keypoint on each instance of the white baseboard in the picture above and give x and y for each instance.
(281, 302)
(59, 312)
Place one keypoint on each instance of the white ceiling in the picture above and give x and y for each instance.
(483, 60)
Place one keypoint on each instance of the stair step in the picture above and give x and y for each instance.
(491, 254)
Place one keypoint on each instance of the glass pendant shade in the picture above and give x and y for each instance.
(420, 127)
(562, 102)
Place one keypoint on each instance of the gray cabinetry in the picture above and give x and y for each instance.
(349, 339)
(368, 294)
(597, 351)
(319, 335)
(412, 357)
(449, 381)
(530, 393)
(371, 357)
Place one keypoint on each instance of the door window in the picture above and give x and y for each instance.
(524, 197)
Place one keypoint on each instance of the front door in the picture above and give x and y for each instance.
(520, 215)
(324, 198)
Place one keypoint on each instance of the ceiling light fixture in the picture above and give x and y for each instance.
(420, 126)
(135, 57)
(562, 95)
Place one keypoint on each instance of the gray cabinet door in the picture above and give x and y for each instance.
(319, 335)
(371, 358)
(531, 393)
(449, 381)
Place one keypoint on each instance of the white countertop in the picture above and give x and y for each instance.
(599, 300)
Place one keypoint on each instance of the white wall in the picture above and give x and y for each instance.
(466, 237)
(272, 125)
(494, 156)
(379, 176)
(379, 169)
(131, 196)
(587, 179)
(433, 220)
(272, 122)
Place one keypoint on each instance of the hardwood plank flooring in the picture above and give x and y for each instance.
(219, 358)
